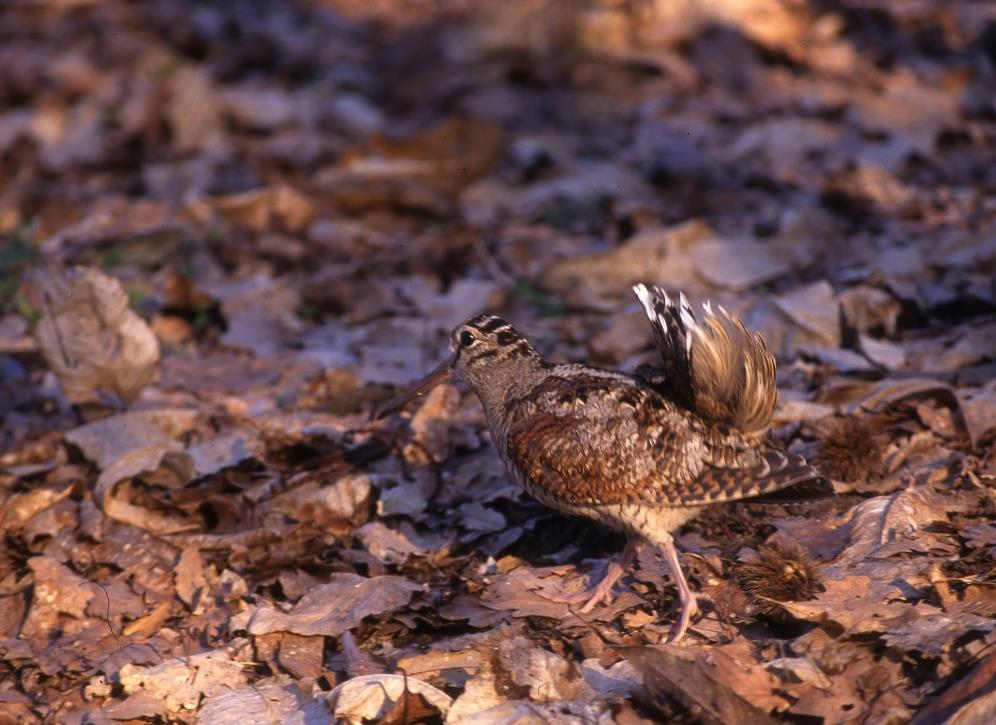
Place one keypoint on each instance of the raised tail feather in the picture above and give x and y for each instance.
(716, 368)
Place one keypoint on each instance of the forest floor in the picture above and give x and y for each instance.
(232, 229)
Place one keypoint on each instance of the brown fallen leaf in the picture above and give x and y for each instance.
(370, 697)
(22, 507)
(56, 592)
(693, 678)
(193, 112)
(181, 683)
(430, 425)
(149, 624)
(547, 675)
(957, 703)
(190, 579)
(737, 265)
(335, 607)
(596, 280)
(880, 525)
(410, 708)
(870, 600)
(90, 338)
(282, 207)
(519, 592)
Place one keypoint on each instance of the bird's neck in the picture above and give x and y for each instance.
(501, 382)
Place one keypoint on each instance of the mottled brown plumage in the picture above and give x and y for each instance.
(642, 453)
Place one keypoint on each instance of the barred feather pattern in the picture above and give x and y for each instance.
(628, 450)
(717, 368)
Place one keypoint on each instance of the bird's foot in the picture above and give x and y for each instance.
(689, 608)
(595, 594)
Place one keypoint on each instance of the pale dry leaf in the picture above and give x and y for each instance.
(57, 587)
(190, 579)
(369, 697)
(600, 279)
(337, 606)
(407, 499)
(802, 668)
(431, 423)
(932, 631)
(478, 518)
(978, 405)
(392, 546)
(889, 391)
(882, 352)
(876, 524)
(619, 680)
(737, 265)
(520, 592)
(159, 463)
(343, 500)
(139, 706)
(21, 507)
(432, 663)
(549, 677)
(260, 312)
(524, 712)
(585, 184)
(282, 207)
(856, 603)
(259, 107)
(226, 451)
(802, 320)
(181, 683)
(480, 693)
(106, 440)
(866, 308)
(193, 111)
(465, 297)
(814, 309)
(276, 699)
(979, 711)
(978, 343)
(92, 340)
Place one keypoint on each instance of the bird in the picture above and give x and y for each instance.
(642, 453)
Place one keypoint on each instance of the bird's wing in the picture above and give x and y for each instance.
(592, 440)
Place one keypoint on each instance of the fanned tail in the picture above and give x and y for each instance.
(716, 368)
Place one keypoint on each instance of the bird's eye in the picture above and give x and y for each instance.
(467, 339)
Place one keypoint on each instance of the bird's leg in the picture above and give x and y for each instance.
(685, 594)
(602, 591)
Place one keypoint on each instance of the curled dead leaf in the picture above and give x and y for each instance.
(91, 339)
(370, 697)
(333, 608)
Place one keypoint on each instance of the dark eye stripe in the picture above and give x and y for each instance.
(489, 324)
(507, 337)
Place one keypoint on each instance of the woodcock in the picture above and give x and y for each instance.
(641, 453)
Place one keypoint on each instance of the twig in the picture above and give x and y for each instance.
(107, 616)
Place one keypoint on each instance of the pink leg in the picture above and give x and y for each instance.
(685, 594)
(602, 591)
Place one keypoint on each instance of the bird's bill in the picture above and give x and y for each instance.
(420, 388)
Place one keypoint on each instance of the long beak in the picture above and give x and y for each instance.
(420, 388)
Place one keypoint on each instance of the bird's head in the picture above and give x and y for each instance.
(485, 352)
